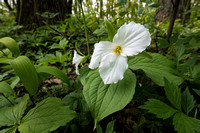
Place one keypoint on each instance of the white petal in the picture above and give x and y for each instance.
(77, 72)
(76, 60)
(133, 38)
(101, 49)
(112, 68)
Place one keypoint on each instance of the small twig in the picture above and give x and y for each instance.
(173, 3)
(54, 29)
(156, 43)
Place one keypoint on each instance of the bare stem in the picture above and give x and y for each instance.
(54, 29)
(88, 48)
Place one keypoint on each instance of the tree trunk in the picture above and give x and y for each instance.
(101, 8)
(172, 19)
(8, 5)
(167, 7)
(186, 6)
(29, 12)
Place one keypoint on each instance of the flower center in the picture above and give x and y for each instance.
(117, 50)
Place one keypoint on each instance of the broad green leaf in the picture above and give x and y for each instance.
(100, 31)
(15, 81)
(185, 124)
(99, 129)
(197, 91)
(76, 100)
(54, 71)
(113, 12)
(160, 109)
(187, 101)
(179, 51)
(123, 2)
(140, 10)
(154, 5)
(145, 54)
(192, 10)
(188, 65)
(5, 60)
(9, 130)
(4, 102)
(27, 73)
(46, 116)
(7, 102)
(173, 94)
(6, 89)
(104, 100)
(195, 72)
(184, 56)
(12, 115)
(4, 52)
(63, 43)
(163, 43)
(11, 45)
(110, 30)
(83, 74)
(110, 127)
(157, 68)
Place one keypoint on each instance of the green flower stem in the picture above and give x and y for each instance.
(195, 113)
(88, 48)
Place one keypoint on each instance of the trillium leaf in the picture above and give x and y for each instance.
(197, 92)
(54, 71)
(110, 30)
(27, 73)
(46, 116)
(6, 89)
(12, 115)
(4, 52)
(11, 45)
(99, 129)
(187, 101)
(185, 124)
(157, 68)
(76, 99)
(153, 5)
(4, 102)
(173, 94)
(104, 100)
(160, 109)
(5, 60)
(145, 54)
(83, 74)
(110, 127)
(9, 130)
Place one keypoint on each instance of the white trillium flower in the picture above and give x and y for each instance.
(111, 57)
(76, 60)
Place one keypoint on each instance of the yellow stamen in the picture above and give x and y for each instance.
(117, 50)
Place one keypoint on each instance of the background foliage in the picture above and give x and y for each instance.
(40, 92)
